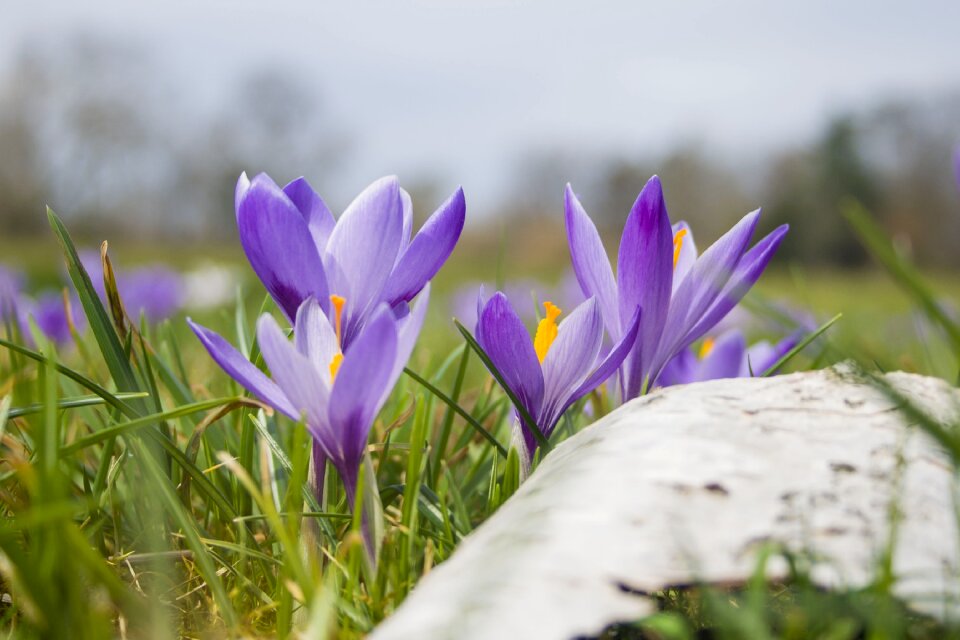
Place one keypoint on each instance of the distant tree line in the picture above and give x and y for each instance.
(895, 159)
(94, 130)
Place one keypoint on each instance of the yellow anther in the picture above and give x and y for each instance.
(546, 331)
(335, 366)
(677, 245)
(706, 347)
(337, 302)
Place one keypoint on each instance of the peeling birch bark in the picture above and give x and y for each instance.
(683, 486)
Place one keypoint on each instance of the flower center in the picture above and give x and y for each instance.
(337, 302)
(546, 331)
(706, 347)
(677, 245)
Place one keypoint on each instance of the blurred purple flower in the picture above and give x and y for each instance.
(726, 357)
(558, 367)
(523, 294)
(956, 165)
(11, 283)
(366, 257)
(49, 311)
(155, 290)
(337, 389)
(681, 295)
(526, 295)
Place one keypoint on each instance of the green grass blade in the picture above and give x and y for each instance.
(73, 403)
(184, 520)
(132, 425)
(99, 321)
(79, 378)
(905, 274)
(447, 423)
(801, 346)
(459, 410)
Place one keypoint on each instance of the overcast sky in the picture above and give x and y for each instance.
(461, 89)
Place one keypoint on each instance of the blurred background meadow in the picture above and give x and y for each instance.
(133, 121)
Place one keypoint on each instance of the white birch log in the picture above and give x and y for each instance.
(683, 486)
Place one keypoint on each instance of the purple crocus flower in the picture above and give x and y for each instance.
(725, 357)
(558, 367)
(680, 294)
(366, 257)
(337, 389)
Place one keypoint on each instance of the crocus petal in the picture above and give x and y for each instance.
(700, 289)
(510, 348)
(406, 206)
(609, 364)
(481, 303)
(570, 359)
(313, 209)
(279, 247)
(362, 250)
(645, 277)
(428, 251)
(243, 371)
(746, 274)
(687, 256)
(314, 337)
(645, 262)
(408, 330)
(590, 262)
(361, 385)
(725, 359)
(300, 381)
(243, 185)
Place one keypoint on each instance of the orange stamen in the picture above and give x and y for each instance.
(546, 331)
(335, 366)
(706, 347)
(677, 245)
(337, 302)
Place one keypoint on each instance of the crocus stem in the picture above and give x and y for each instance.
(318, 471)
(523, 442)
(351, 483)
